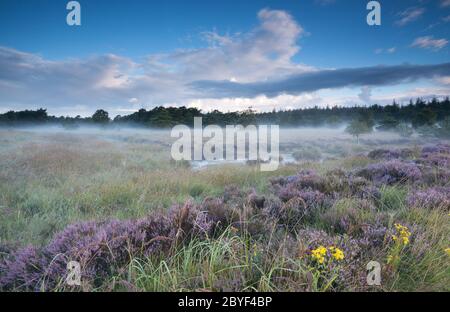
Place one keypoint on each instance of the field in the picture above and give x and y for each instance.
(113, 200)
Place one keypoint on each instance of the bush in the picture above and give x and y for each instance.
(391, 172)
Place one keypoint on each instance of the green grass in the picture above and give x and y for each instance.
(50, 180)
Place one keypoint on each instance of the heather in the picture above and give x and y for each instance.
(135, 221)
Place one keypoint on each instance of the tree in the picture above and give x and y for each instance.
(388, 123)
(358, 127)
(366, 117)
(444, 128)
(100, 116)
(426, 117)
(405, 130)
(161, 119)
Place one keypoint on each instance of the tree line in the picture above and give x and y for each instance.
(416, 114)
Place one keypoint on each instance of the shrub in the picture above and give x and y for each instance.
(432, 198)
(391, 172)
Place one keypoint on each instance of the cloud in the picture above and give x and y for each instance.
(410, 15)
(325, 79)
(110, 81)
(428, 42)
(365, 95)
(388, 50)
(445, 3)
(231, 71)
(444, 80)
(391, 50)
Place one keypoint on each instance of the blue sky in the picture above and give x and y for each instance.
(132, 54)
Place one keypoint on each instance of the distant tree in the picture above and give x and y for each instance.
(426, 117)
(419, 113)
(333, 121)
(444, 128)
(405, 130)
(388, 123)
(100, 117)
(366, 117)
(358, 127)
(161, 119)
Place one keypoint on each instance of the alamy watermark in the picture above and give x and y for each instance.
(73, 273)
(374, 273)
(374, 16)
(230, 143)
(74, 16)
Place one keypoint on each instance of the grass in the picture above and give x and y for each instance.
(49, 180)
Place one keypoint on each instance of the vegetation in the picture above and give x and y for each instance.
(418, 114)
(135, 220)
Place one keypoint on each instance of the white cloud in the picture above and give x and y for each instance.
(428, 42)
(365, 95)
(409, 15)
(445, 3)
(392, 50)
(388, 50)
(444, 80)
(111, 81)
(119, 84)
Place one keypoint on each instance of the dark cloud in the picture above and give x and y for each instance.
(323, 79)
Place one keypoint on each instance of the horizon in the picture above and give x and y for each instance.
(225, 56)
(402, 104)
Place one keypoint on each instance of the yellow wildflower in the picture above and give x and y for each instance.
(337, 253)
(447, 250)
(318, 254)
(403, 233)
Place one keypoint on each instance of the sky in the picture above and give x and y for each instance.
(223, 54)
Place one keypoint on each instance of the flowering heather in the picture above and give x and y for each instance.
(384, 154)
(388, 154)
(346, 269)
(100, 248)
(344, 203)
(438, 148)
(298, 206)
(190, 220)
(435, 197)
(305, 179)
(373, 235)
(436, 176)
(391, 172)
(435, 159)
(22, 270)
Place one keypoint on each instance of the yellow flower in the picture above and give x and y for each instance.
(402, 232)
(318, 254)
(337, 253)
(447, 250)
